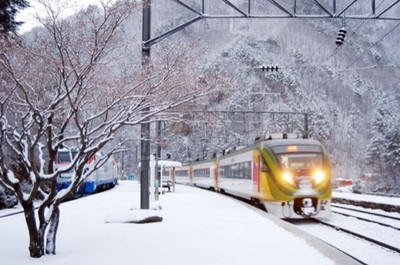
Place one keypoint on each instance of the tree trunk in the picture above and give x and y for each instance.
(35, 245)
(52, 233)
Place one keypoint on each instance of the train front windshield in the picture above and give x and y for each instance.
(65, 156)
(298, 157)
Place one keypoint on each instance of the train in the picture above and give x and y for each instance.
(288, 175)
(103, 178)
(341, 182)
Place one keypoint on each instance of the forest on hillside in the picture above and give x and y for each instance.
(350, 92)
(345, 96)
(87, 86)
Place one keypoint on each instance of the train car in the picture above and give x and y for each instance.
(103, 178)
(341, 182)
(290, 177)
(183, 175)
(236, 174)
(204, 174)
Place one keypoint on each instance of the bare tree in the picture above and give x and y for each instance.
(76, 86)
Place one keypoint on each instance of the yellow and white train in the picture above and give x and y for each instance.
(289, 176)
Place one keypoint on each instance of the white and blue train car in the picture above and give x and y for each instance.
(103, 178)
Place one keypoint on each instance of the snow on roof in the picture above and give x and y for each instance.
(169, 163)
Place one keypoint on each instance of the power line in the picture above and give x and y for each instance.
(365, 21)
(337, 49)
(390, 31)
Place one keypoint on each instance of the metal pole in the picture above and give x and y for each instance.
(158, 157)
(145, 126)
(158, 131)
(373, 7)
(305, 126)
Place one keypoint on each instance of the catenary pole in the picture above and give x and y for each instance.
(145, 126)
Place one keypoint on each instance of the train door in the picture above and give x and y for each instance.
(256, 172)
(216, 175)
(191, 175)
(172, 178)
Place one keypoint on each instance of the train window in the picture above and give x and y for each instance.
(237, 171)
(300, 160)
(296, 148)
(264, 166)
(203, 172)
(181, 173)
(247, 170)
(65, 156)
(225, 172)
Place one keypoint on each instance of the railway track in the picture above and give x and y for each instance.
(368, 216)
(386, 253)
(368, 236)
(359, 235)
(364, 247)
(389, 252)
(12, 213)
(21, 211)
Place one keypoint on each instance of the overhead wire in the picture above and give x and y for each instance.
(390, 31)
(337, 49)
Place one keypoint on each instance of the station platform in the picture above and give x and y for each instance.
(197, 227)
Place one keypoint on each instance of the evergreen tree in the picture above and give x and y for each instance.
(392, 152)
(8, 11)
(384, 148)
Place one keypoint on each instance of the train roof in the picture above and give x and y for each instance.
(269, 140)
(278, 142)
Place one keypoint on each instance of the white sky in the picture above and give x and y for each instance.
(68, 7)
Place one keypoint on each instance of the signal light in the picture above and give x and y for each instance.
(341, 35)
(269, 68)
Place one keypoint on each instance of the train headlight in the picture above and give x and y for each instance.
(287, 176)
(319, 176)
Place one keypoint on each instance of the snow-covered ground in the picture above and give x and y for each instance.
(362, 250)
(198, 227)
(367, 198)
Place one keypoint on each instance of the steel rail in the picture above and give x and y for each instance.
(366, 238)
(367, 212)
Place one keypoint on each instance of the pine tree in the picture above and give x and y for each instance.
(392, 135)
(384, 148)
(8, 11)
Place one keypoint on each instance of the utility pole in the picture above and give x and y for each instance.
(305, 125)
(145, 126)
(158, 157)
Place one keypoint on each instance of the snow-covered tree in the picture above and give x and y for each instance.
(384, 149)
(8, 11)
(75, 85)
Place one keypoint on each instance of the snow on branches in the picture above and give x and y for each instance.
(74, 83)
